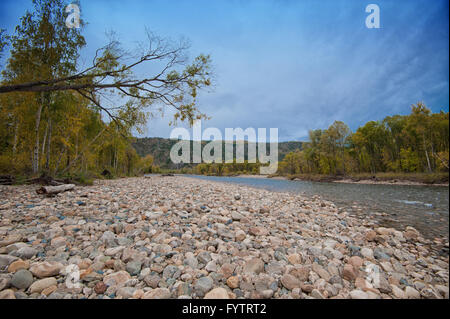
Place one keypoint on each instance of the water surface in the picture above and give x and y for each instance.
(426, 208)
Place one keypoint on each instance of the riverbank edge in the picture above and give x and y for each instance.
(345, 180)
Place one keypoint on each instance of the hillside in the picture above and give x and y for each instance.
(159, 148)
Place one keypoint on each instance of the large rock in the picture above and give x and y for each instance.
(46, 269)
(11, 239)
(171, 272)
(134, 267)
(26, 252)
(349, 272)
(217, 293)
(358, 294)
(125, 292)
(258, 231)
(233, 282)
(399, 293)
(22, 279)
(412, 293)
(254, 266)
(39, 285)
(6, 260)
(203, 285)
(7, 294)
(17, 265)
(158, 293)
(117, 279)
(290, 282)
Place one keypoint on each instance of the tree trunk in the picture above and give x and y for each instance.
(44, 140)
(59, 160)
(52, 190)
(36, 145)
(49, 141)
(16, 131)
(426, 154)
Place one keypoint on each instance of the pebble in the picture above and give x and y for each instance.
(7, 294)
(22, 279)
(158, 293)
(39, 285)
(358, 294)
(254, 266)
(46, 269)
(233, 282)
(290, 282)
(217, 293)
(179, 237)
(203, 285)
(17, 265)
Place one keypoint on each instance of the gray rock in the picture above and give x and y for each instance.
(133, 267)
(203, 285)
(204, 257)
(171, 272)
(152, 280)
(22, 279)
(125, 292)
(380, 254)
(26, 252)
(191, 262)
(6, 260)
(279, 255)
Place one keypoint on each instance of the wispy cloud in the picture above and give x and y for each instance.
(295, 65)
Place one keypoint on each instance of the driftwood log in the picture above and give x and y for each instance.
(53, 190)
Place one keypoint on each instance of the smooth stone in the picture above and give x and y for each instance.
(22, 279)
(358, 294)
(290, 282)
(254, 266)
(158, 293)
(7, 294)
(39, 285)
(17, 265)
(217, 293)
(203, 285)
(46, 269)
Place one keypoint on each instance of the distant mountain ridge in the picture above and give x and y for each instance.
(160, 148)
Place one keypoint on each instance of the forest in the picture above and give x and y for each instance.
(61, 117)
(403, 144)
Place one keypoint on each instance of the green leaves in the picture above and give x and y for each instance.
(414, 143)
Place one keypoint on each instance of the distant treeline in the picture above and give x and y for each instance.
(414, 143)
(159, 149)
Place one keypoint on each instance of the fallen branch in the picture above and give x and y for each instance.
(53, 190)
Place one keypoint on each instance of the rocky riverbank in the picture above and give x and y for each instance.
(179, 237)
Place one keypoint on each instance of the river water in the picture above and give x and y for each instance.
(425, 208)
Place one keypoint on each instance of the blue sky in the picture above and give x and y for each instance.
(294, 65)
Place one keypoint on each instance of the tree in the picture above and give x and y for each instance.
(418, 126)
(53, 111)
(43, 47)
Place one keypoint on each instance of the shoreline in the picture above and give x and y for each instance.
(182, 237)
(349, 181)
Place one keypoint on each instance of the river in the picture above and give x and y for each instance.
(425, 208)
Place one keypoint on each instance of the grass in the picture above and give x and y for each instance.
(426, 178)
